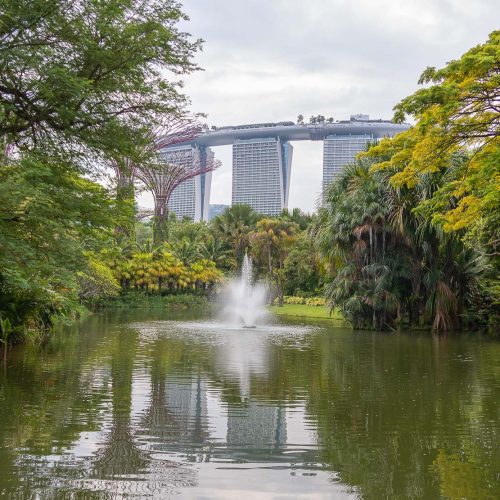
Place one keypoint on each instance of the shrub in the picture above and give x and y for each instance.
(97, 282)
(293, 300)
(316, 301)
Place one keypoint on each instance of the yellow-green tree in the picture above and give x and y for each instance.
(457, 113)
(270, 244)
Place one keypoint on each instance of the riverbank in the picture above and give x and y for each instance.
(305, 311)
(143, 301)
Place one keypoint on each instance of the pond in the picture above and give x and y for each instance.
(141, 404)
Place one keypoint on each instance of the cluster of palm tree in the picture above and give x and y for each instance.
(161, 268)
(392, 264)
(198, 254)
(280, 247)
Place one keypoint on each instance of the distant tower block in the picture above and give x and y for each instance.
(340, 150)
(262, 155)
(191, 198)
(261, 174)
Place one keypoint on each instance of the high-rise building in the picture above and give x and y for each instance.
(338, 151)
(261, 174)
(191, 198)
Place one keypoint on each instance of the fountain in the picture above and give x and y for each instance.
(244, 300)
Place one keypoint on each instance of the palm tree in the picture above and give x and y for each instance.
(219, 252)
(187, 251)
(388, 257)
(298, 216)
(271, 242)
(234, 226)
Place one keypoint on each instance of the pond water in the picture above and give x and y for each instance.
(159, 405)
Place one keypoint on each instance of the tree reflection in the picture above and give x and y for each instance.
(392, 415)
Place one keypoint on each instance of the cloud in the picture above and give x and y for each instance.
(271, 60)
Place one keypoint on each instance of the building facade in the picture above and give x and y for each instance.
(340, 150)
(191, 198)
(261, 174)
(262, 158)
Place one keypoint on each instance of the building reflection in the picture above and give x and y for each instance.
(195, 414)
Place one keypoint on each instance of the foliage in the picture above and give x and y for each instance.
(298, 216)
(233, 226)
(457, 111)
(160, 271)
(310, 301)
(304, 269)
(306, 311)
(315, 301)
(97, 282)
(390, 264)
(49, 215)
(290, 299)
(270, 244)
(132, 299)
(90, 74)
(82, 83)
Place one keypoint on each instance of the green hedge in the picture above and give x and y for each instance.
(311, 301)
(141, 300)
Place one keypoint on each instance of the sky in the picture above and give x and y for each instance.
(271, 60)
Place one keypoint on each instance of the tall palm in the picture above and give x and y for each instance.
(271, 242)
(234, 226)
(219, 252)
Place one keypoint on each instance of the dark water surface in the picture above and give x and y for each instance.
(152, 405)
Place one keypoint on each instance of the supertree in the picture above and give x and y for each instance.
(125, 175)
(173, 160)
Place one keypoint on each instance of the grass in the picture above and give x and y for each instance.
(305, 311)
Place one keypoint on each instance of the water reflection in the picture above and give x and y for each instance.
(125, 407)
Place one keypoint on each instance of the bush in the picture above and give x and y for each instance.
(316, 301)
(141, 300)
(287, 299)
(97, 282)
(311, 301)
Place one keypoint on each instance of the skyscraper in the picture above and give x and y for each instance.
(261, 174)
(338, 151)
(191, 198)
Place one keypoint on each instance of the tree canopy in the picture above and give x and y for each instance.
(90, 74)
(457, 113)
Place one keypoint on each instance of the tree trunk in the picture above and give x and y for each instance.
(125, 197)
(160, 224)
(280, 285)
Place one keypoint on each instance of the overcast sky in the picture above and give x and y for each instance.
(270, 60)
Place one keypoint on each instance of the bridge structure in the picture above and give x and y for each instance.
(262, 159)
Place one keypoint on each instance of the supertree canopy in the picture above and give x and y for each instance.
(174, 159)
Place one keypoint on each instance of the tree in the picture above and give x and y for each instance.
(96, 283)
(301, 218)
(82, 83)
(270, 243)
(300, 119)
(186, 250)
(389, 263)
(90, 76)
(217, 251)
(234, 226)
(303, 267)
(49, 216)
(171, 163)
(457, 112)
